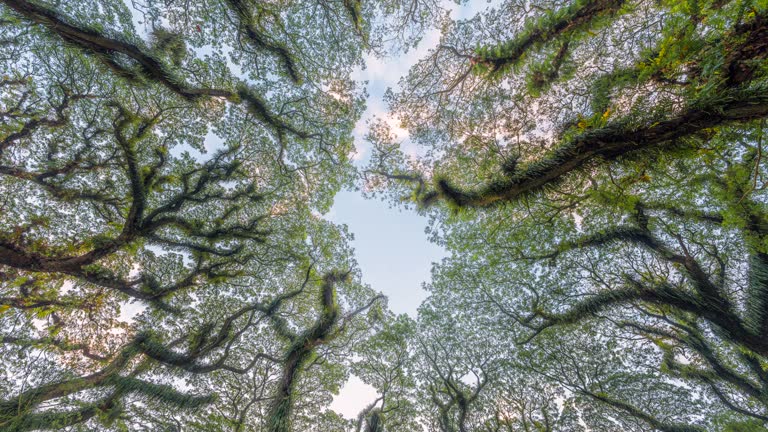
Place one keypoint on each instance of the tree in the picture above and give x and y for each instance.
(150, 171)
(387, 362)
(596, 166)
(696, 67)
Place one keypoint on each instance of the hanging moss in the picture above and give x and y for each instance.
(610, 142)
(562, 24)
(757, 295)
(160, 393)
(260, 40)
(375, 422)
(302, 351)
(171, 44)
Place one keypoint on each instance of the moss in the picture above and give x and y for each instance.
(302, 352)
(579, 17)
(756, 318)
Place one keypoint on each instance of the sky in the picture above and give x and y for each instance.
(391, 246)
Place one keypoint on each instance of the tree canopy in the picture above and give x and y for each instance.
(594, 169)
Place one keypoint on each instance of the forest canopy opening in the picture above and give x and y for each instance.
(594, 170)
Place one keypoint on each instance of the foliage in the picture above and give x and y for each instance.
(160, 241)
(595, 169)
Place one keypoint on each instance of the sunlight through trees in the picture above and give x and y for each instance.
(593, 168)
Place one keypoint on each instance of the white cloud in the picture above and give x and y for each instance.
(360, 151)
(353, 397)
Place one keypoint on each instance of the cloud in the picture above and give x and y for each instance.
(354, 396)
(361, 149)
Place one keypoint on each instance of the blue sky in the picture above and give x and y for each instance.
(390, 243)
(391, 247)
